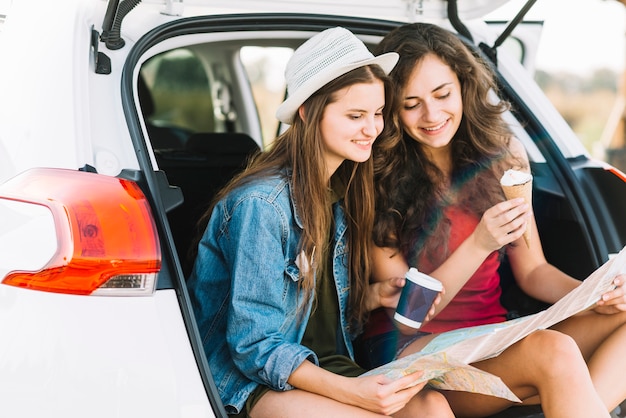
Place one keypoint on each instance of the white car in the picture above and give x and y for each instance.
(119, 119)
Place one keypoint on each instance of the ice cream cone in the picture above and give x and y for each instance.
(520, 190)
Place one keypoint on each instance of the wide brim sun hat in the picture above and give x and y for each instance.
(321, 59)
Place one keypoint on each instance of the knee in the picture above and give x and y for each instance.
(621, 318)
(433, 397)
(432, 403)
(554, 353)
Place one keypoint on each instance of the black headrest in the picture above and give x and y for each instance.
(221, 143)
(145, 97)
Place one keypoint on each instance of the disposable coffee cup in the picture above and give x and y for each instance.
(416, 298)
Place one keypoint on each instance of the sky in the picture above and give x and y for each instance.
(579, 36)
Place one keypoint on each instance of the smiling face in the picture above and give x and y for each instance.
(432, 106)
(351, 123)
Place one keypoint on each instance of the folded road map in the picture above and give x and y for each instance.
(446, 360)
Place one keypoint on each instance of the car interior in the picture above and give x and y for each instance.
(195, 113)
(198, 102)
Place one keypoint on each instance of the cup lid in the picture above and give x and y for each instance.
(423, 279)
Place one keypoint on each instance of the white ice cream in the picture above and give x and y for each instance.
(514, 177)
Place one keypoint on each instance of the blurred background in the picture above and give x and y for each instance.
(579, 62)
(580, 65)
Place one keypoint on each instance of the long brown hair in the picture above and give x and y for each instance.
(410, 189)
(299, 150)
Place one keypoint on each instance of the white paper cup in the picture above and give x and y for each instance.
(416, 298)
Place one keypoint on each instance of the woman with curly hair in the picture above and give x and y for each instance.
(440, 208)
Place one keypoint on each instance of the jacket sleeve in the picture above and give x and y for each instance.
(263, 327)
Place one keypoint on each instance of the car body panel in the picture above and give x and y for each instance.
(524, 40)
(55, 346)
(69, 355)
(401, 10)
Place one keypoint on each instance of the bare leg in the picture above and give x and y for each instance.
(546, 363)
(426, 404)
(299, 403)
(602, 341)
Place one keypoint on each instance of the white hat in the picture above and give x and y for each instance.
(320, 60)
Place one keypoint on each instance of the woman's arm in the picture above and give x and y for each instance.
(535, 276)
(375, 393)
(262, 295)
(540, 279)
(500, 225)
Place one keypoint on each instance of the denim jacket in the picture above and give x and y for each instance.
(244, 289)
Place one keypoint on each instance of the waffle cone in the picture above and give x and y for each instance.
(524, 190)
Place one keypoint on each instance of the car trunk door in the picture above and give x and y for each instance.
(403, 10)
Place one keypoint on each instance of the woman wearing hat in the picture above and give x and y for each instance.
(280, 281)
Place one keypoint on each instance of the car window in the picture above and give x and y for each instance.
(265, 67)
(522, 43)
(176, 94)
(516, 48)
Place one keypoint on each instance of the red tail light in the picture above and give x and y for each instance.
(106, 238)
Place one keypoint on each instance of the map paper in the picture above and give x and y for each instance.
(446, 360)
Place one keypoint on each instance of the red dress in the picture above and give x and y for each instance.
(477, 303)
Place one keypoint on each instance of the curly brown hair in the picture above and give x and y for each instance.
(410, 190)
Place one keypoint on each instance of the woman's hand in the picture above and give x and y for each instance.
(376, 393)
(387, 292)
(502, 224)
(613, 301)
(385, 396)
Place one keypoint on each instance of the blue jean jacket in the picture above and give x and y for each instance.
(244, 289)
